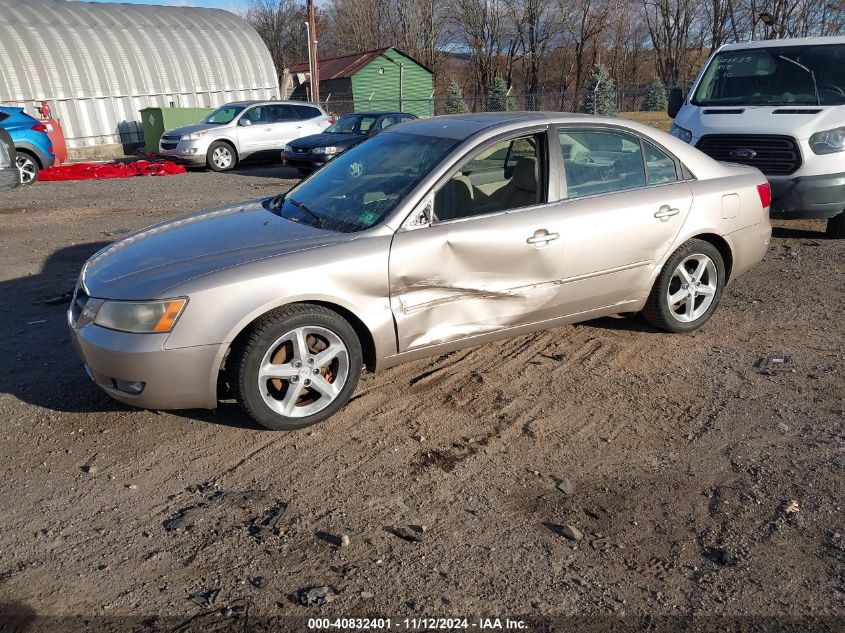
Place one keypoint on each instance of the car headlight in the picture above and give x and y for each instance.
(325, 150)
(828, 141)
(194, 136)
(288, 149)
(678, 132)
(141, 317)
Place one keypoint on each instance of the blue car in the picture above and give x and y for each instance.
(34, 148)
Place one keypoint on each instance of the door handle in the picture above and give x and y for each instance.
(665, 212)
(541, 238)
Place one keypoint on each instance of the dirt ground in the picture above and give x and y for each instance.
(701, 485)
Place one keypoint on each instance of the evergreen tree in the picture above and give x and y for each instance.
(600, 97)
(655, 97)
(455, 103)
(497, 98)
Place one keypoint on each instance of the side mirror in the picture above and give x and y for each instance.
(675, 102)
(244, 122)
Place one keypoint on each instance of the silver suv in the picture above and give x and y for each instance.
(241, 129)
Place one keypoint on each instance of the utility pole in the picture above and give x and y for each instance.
(312, 52)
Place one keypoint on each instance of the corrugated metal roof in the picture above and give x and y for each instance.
(340, 67)
(98, 64)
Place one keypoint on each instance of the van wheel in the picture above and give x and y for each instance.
(28, 166)
(221, 156)
(836, 227)
(688, 288)
(299, 366)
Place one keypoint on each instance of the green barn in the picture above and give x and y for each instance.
(382, 79)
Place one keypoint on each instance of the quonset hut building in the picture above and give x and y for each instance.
(96, 65)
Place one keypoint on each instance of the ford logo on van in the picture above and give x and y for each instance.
(743, 153)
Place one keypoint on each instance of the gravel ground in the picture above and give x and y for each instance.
(690, 481)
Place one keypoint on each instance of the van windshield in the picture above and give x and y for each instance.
(776, 75)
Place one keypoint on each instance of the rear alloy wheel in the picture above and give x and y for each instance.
(299, 366)
(836, 227)
(221, 156)
(28, 166)
(688, 288)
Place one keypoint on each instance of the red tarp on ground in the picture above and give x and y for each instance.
(90, 171)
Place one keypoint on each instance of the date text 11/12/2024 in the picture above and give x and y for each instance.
(416, 624)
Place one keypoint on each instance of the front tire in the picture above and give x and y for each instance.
(836, 227)
(688, 288)
(29, 167)
(221, 156)
(299, 366)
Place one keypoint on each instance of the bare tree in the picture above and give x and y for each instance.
(537, 25)
(671, 26)
(280, 25)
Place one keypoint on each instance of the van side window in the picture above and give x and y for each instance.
(661, 168)
(601, 161)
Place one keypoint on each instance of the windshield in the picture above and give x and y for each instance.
(222, 116)
(359, 188)
(777, 75)
(352, 124)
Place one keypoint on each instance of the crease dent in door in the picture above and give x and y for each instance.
(467, 299)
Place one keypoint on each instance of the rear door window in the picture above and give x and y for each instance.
(660, 166)
(281, 113)
(306, 112)
(600, 161)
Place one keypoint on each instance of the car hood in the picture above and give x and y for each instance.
(325, 140)
(190, 129)
(146, 264)
(800, 122)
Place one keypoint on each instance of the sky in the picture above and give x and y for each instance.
(231, 5)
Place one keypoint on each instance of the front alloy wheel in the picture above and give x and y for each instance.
(688, 289)
(299, 366)
(221, 156)
(28, 168)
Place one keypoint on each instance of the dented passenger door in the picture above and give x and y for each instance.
(488, 254)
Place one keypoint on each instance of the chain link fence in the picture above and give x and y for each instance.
(629, 99)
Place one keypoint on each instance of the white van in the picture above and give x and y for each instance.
(778, 105)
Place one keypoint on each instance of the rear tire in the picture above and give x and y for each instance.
(836, 227)
(29, 167)
(688, 289)
(299, 366)
(221, 156)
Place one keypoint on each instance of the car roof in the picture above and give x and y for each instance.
(463, 126)
(793, 41)
(270, 102)
(379, 113)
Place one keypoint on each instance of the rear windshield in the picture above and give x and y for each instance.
(777, 75)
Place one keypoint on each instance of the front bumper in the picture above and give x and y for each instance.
(187, 152)
(810, 197)
(305, 160)
(183, 378)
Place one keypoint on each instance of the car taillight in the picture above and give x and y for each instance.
(39, 127)
(765, 192)
(331, 121)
